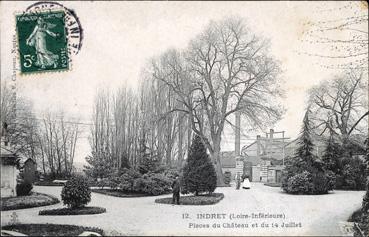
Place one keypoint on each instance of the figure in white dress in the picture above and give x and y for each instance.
(37, 39)
(246, 183)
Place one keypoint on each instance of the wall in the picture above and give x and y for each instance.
(8, 180)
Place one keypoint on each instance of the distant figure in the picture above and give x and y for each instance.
(246, 183)
(176, 187)
(238, 180)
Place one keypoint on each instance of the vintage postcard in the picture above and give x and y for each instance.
(214, 118)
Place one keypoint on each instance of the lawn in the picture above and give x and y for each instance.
(75, 211)
(194, 200)
(119, 193)
(51, 229)
(33, 200)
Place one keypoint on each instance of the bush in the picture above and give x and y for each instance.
(310, 183)
(120, 193)
(47, 183)
(76, 192)
(154, 184)
(353, 175)
(300, 183)
(227, 177)
(149, 183)
(208, 199)
(50, 176)
(171, 173)
(76, 211)
(24, 189)
(51, 229)
(148, 164)
(127, 179)
(22, 202)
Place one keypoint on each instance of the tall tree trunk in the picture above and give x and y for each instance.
(180, 142)
(216, 162)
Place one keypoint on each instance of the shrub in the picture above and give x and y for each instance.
(127, 179)
(353, 175)
(101, 183)
(53, 176)
(227, 177)
(154, 184)
(33, 200)
(24, 189)
(171, 173)
(120, 193)
(76, 192)
(208, 199)
(323, 182)
(300, 183)
(75, 211)
(113, 180)
(198, 173)
(51, 229)
(148, 164)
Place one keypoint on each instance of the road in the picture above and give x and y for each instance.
(304, 214)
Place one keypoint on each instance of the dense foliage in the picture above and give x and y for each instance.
(24, 188)
(129, 180)
(32, 200)
(148, 164)
(198, 173)
(98, 167)
(350, 171)
(305, 173)
(74, 211)
(207, 199)
(76, 192)
(51, 229)
(154, 184)
(364, 221)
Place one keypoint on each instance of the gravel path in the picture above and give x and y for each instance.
(317, 215)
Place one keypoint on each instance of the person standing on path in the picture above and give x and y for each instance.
(238, 180)
(176, 187)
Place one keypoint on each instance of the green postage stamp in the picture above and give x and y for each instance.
(42, 42)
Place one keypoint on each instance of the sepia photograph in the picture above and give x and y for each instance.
(175, 118)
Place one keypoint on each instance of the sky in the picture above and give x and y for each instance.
(120, 37)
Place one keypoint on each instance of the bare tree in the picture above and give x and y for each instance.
(17, 114)
(340, 105)
(339, 39)
(57, 139)
(225, 69)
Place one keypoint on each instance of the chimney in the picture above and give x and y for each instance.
(271, 133)
(258, 145)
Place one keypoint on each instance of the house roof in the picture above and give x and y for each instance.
(30, 160)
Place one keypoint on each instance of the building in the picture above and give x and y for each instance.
(319, 146)
(9, 162)
(266, 156)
